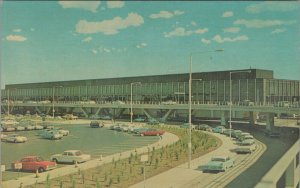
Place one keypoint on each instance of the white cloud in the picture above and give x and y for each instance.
(109, 27)
(166, 14)
(16, 38)
(142, 45)
(106, 50)
(87, 39)
(227, 14)
(262, 23)
(193, 23)
(272, 7)
(85, 5)
(17, 30)
(276, 31)
(94, 51)
(206, 41)
(219, 39)
(115, 4)
(231, 30)
(180, 31)
(32, 29)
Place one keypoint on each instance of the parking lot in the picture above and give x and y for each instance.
(94, 141)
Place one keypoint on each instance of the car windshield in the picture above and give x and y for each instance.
(77, 153)
(218, 159)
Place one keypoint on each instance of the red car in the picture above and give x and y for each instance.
(152, 132)
(33, 163)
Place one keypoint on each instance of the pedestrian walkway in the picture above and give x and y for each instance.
(181, 176)
(166, 139)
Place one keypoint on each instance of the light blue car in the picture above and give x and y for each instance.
(219, 129)
(219, 163)
(51, 134)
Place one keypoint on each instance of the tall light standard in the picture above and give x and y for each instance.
(230, 93)
(131, 84)
(190, 101)
(53, 90)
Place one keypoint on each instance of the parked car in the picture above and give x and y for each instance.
(139, 119)
(247, 103)
(246, 148)
(51, 134)
(241, 136)
(118, 102)
(96, 124)
(15, 138)
(204, 127)
(187, 126)
(34, 163)
(151, 132)
(105, 117)
(70, 117)
(3, 137)
(236, 133)
(169, 102)
(71, 156)
(219, 129)
(153, 121)
(20, 128)
(219, 163)
(38, 127)
(64, 132)
(29, 127)
(227, 132)
(246, 140)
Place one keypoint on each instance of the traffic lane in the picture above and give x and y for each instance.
(276, 147)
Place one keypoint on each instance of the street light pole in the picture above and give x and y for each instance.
(230, 98)
(131, 113)
(190, 103)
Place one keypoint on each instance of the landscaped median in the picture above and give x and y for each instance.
(125, 169)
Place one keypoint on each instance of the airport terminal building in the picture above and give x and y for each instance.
(255, 85)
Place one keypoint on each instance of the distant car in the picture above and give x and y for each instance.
(15, 138)
(153, 121)
(187, 126)
(38, 127)
(139, 119)
(64, 132)
(236, 133)
(241, 136)
(70, 117)
(272, 133)
(151, 132)
(118, 102)
(204, 127)
(169, 102)
(45, 102)
(105, 117)
(71, 156)
(51, 134)
(219, 129)
(3, 137)
(96, 124)
(247, 103)
(219, 163)
(246, 140)
(227, 132)
(29, 127)
(20, 128)
(34, 163)
(246, 148)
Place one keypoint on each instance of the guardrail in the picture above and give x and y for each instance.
(287, 169)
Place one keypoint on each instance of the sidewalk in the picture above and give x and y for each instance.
(180, 176)
(166, 139)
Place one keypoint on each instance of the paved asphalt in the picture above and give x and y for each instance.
(276, 147)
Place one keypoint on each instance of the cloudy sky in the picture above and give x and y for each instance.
(60, 40)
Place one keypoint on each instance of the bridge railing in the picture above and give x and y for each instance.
(287, 167)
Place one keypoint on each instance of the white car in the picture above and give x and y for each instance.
(169, 102)
(15, 138)
(71, 156)
(118, 102)
(246, 148)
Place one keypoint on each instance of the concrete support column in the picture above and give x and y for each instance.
(211, 113)
(97, 112)
(147, 113)
(84, 112)
(251, 118)
(270, 121)
(290, 174)
(164, 118)
(38, 110)
(224, 118)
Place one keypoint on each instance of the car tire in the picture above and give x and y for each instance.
(55, 160)
(41, 169)
(74, 162)
(157, 134)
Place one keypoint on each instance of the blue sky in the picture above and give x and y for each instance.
(60, 40)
